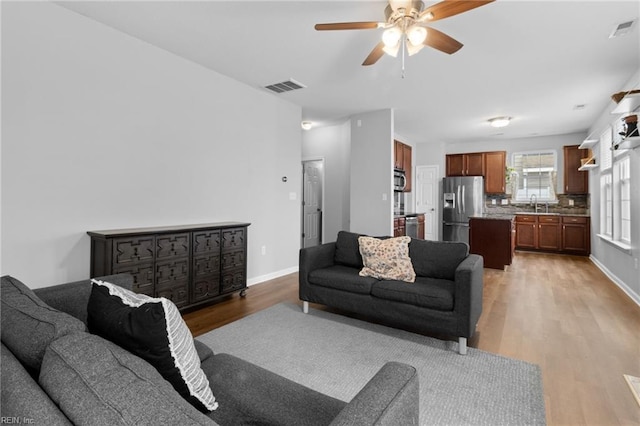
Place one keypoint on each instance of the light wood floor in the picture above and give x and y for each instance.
(560, 312)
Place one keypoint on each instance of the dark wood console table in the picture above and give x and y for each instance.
(188, 264)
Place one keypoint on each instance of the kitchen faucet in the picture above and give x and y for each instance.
(534, 201)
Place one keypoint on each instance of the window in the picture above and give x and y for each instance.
(536, 175)
(615, 193)
(622, 200)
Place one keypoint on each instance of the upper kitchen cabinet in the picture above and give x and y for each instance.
(575, 181)
(402, 160)
(490, 165)
(494, 178)
(465, 164)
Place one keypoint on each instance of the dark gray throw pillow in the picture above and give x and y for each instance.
(29, 325)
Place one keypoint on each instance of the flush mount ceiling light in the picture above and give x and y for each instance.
(306, 125)
(499, 121)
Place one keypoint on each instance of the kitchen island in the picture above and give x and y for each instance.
(493, 237)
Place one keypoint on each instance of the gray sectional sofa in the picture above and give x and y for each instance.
(446, 297)
(54, 372)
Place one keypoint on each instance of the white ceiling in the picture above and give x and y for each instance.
(532, 60)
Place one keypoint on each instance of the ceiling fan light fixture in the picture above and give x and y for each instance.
(416, 35)
(499, 121)
(392, 50)
(391, 36)
(413, 49)
(306, 125)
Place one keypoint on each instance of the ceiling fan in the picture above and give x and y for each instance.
(406, 27)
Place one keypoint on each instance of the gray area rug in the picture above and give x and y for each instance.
(337, 355)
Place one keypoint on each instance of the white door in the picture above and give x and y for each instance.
(427, 199)
(312, 178)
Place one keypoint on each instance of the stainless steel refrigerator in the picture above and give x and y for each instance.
(463, 197)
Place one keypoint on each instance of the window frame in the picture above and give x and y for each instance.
(553, 179)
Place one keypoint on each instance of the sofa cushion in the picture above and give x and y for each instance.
(342, 278)
(22, 397)
(29, 324)
(437, 259)
(386, 259)
(348, 250)
(96, 382)
(251, 395)
(425, 292)
(153, 329)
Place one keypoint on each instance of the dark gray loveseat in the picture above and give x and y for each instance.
(446, 297)
(56, 373)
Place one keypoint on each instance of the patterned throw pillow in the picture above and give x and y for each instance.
(152, 329)
(387, 259)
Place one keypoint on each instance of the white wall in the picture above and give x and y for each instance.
(101, 130)
(371, 173)
(333, 145)
(619, 265)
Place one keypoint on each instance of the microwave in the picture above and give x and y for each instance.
(399, 180)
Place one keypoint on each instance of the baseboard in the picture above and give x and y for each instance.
(625, 288)
(271, 276)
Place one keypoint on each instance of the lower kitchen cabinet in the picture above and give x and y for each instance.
(492, 238)
(553, 233)
(189, 264)
(399, 229)
(576, 235)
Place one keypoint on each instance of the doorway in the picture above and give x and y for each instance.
(427, 190)
(312, 188)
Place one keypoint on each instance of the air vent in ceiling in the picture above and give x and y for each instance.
(285, 86)
(622, 29)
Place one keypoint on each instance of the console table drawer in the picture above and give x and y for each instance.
(168, 246)
(127, 251)
(143, 281)
(206, 242)
(234, 259)
(233, 239)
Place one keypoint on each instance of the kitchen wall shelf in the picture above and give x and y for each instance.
(629, 143)
(588, 143)
(629, 103)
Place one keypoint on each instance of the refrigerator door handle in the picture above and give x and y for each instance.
(456, 224)
(464, 208)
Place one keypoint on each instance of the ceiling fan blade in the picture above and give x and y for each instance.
(448, 8)
(375, 54)
(347, 26)
(441, 41)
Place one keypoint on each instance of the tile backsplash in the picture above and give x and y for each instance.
(580, 205)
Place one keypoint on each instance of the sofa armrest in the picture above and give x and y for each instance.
(390, 398)
(469, 281)
(73, 297)
(312, 258)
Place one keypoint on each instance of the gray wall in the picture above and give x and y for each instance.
(333, 145)
(621, 266)
(101, 130)
(371, 173)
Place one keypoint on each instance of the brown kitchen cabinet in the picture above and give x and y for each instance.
(188, 264)
(553, 233)
(526, 231)
(576, 235)
(495, 164)
(490, 165)
(421, 221)
(399, 227)
(575, 181)
(492, 238)
(471, 164)
(402, 160)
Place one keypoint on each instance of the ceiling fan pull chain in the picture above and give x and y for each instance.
(403, 49)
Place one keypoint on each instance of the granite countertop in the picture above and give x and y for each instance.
(406, 214)
(495, 216)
